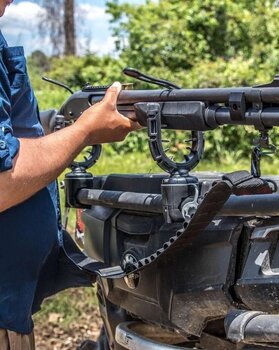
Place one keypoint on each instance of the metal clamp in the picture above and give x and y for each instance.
(237, 104)
(189, 208)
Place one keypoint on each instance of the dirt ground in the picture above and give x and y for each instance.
(52, 336)
(64, 328)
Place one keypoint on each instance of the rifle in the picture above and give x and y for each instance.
(188, 109)
(173, 108)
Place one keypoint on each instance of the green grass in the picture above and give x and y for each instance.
(143, 163)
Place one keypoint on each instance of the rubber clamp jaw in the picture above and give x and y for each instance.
(154, 128)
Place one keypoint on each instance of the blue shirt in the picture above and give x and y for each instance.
(29, 231)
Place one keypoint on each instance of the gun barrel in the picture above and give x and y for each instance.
(268, 117)
(212, 95)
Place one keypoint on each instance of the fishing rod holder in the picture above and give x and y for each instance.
(154, 131)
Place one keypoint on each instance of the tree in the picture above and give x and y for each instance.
(69, 28)
(58, 22)
(176, 34)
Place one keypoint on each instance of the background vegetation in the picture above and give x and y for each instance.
(194, 43)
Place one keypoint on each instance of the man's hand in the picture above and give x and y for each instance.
(102, 123)
(41, 160)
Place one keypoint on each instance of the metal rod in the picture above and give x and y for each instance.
(262, 328)
(253, 205)
(131, 340)
(252, 327)
(146, 202)
(244, 206)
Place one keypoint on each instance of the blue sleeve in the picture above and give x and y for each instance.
(9, 145)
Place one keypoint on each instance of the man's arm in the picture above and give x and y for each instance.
(40, 161)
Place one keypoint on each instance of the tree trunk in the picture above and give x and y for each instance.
(69, 28)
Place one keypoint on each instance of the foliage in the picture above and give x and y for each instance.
(210, 43)
(196, 43)
(91, 68)
(179, 34)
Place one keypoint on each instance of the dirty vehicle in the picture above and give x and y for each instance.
(182, 260)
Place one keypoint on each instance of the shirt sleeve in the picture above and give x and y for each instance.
(9, 145)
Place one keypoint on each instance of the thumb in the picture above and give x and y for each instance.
(112, 93)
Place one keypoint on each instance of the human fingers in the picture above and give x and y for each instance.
(131, 124)
(112, 94)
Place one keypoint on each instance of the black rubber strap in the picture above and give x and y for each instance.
(243, 183)
(205, 213)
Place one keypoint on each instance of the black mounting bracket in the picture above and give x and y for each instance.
(156, 147)
(237, 104)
